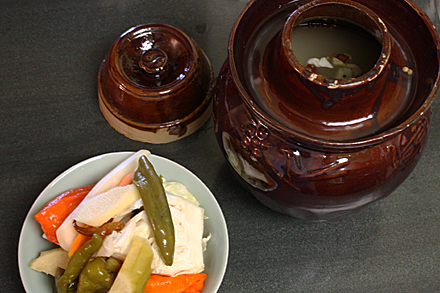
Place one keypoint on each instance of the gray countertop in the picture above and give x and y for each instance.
(50, 52)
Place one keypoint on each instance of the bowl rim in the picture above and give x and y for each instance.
(112, 156)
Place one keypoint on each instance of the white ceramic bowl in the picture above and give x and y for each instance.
(91, 171)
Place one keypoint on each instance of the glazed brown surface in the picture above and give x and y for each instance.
(293, 138)
(51, 120)
(155, 77)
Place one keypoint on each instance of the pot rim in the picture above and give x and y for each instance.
(360, 142)
(331, 83)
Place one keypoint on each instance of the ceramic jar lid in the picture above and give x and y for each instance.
(155, 84)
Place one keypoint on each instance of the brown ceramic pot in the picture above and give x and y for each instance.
(316, 147)
(155, 84)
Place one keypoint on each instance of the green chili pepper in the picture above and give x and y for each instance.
(72, 286)
(156, 206)
(98, 275)
(77, 262)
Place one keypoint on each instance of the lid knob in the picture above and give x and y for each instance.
(154, 62)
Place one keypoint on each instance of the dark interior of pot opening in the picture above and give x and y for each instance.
(328, 40)
(408, 29)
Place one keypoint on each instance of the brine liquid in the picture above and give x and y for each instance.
(327, 38)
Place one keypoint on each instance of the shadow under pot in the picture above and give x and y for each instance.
(155, 84)
(327, 107)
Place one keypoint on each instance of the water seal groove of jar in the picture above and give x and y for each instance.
(322, 143)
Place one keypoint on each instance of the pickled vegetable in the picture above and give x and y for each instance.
(72, 286)
(48, 261)
(104, 230)
(136, 269)
(98, 275)
(156, 206)
(52, 216)
(77, 262)
(180, 283)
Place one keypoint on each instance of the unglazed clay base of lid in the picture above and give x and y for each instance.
(155, 84)
(161, 135)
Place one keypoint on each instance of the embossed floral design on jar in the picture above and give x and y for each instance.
(255, 140)
(410, 144)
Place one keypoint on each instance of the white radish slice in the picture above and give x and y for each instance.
(66, 233)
